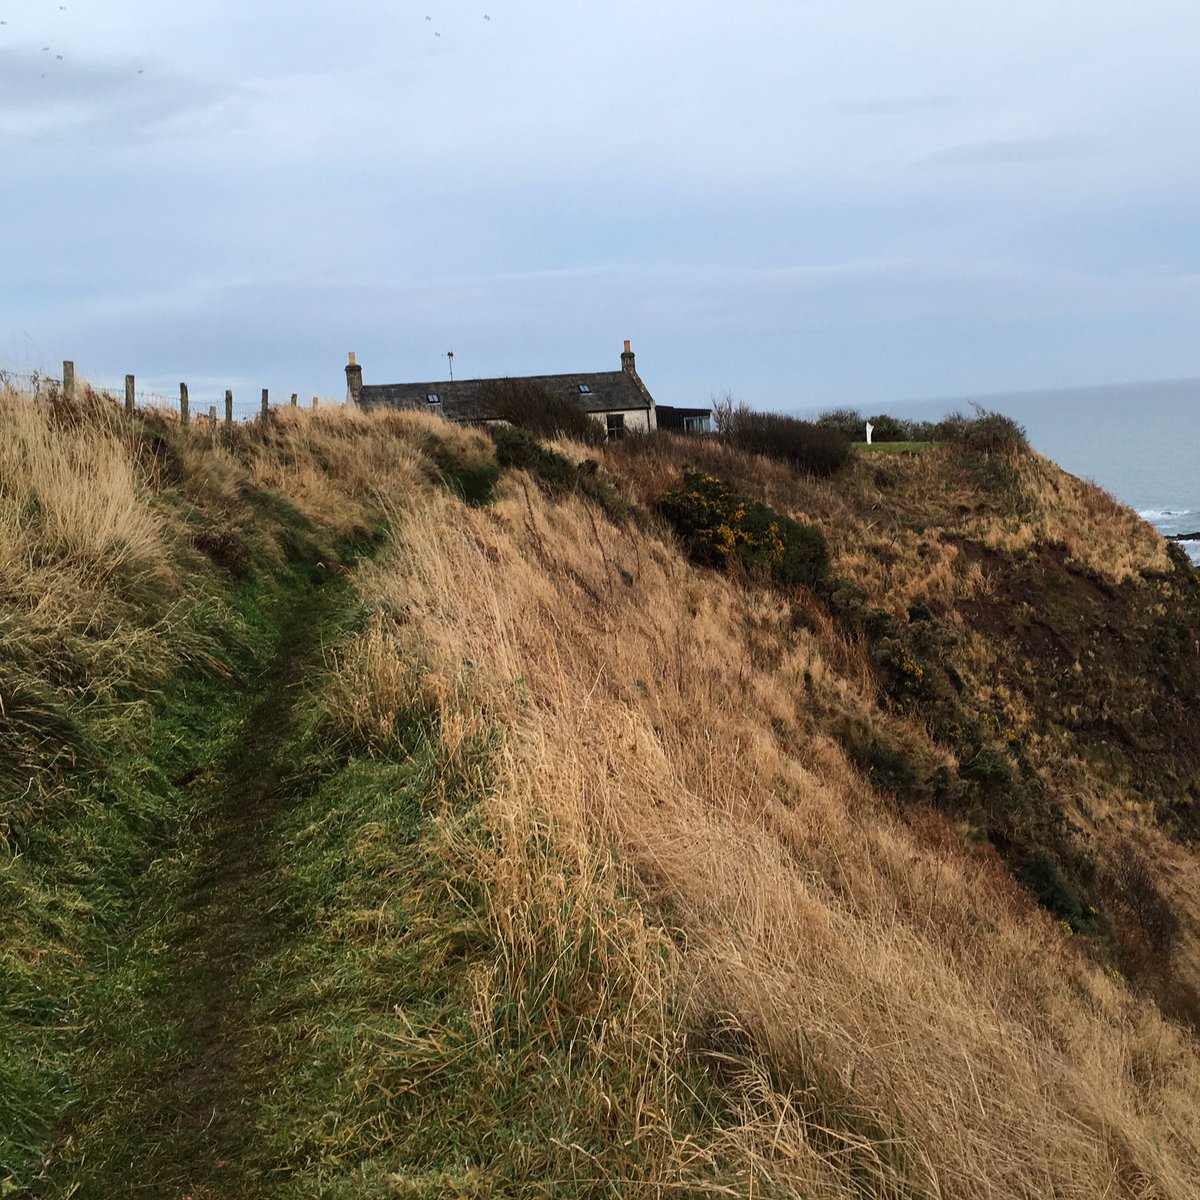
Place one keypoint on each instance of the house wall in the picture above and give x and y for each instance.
(637, 420)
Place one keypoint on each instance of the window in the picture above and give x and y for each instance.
(583, 387)
(433, 398)
(615, 425)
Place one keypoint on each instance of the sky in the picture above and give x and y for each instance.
(795, 202)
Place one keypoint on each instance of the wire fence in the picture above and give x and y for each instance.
(37, 383)
(230, 407)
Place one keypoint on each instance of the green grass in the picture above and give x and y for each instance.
(296, 1013)
(392, 1074)
(101, 771)
(77, 865)
(171, 1080)
(893, 447)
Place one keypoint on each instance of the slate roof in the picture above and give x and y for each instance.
(463, 399)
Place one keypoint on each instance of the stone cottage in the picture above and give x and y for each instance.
(617, 400)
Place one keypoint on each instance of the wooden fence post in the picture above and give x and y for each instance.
(295, 399)
(265, 406)
(68, 381)
(229, 414)
(129, 393)
(184, 413)
(212, 425)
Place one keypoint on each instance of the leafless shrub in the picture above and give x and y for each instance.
(1136, 890)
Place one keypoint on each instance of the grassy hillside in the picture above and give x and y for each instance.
(392, 812)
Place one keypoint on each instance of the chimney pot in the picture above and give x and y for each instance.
(626, 345)
(353, 360)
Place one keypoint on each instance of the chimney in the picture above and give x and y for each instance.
(353, 379)
(627, 361)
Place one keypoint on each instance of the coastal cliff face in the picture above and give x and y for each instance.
(1035, 650)
(652, 814)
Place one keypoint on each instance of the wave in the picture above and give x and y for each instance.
(1165, 514)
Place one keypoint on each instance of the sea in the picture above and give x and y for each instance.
(1138, 441)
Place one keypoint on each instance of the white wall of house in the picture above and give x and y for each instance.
(637, 420)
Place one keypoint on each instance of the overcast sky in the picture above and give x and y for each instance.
(798, 201)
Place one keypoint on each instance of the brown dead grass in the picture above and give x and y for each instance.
(896, 527)
(338, 464)
(1059, 509)
(78, 542)
(901, 1020)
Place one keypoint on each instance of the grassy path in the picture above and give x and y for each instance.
(180, 1071)
(297, 1012)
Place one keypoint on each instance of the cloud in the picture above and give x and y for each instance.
(45, 98)
(1003, 153)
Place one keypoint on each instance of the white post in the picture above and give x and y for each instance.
(870, 430)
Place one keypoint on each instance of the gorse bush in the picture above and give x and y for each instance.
(463, 470)
(811, 448)
(985, 433)
(533, 407)
(773, 434)
(906, 677)
(518, 449)
(993, 433)
(556, 475)
(852, 423)
(720, 527)
(848, 421)
(1043, 875)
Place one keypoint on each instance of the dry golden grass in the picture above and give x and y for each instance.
(887, 1012)
(336, 464)
(898, 1018)
(78, 541)
(1096, 531)
(896, 527)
